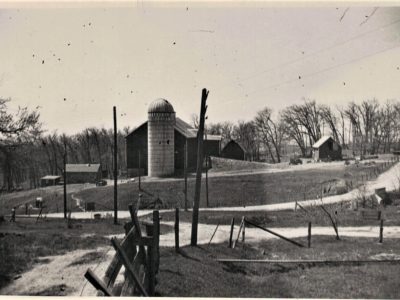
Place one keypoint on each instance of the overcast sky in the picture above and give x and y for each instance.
(75, 63)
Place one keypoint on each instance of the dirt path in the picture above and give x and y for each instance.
(61, 274)
(256, 235)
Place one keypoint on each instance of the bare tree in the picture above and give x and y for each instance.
(270, 132)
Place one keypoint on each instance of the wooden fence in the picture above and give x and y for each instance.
(140, 256)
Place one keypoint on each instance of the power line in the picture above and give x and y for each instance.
(328, 69)
(316, 73)
(317, 52)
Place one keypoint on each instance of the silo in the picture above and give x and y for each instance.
(161, 123)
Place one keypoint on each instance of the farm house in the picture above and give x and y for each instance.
(326, 148)
(49, 180)
(161, 143)
(233, 150)
(83, 173)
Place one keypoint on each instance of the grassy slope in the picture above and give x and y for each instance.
(254, 189)
(197, 273)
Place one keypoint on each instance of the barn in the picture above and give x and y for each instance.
(233, 150)
(83, 173)
(326, 148)
(161, 143)
(49, 180)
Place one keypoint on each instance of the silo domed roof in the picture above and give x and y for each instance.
(160, 106)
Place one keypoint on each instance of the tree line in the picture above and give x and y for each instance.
(27, 152)
(363, 128)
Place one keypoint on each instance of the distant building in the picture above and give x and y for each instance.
(83, 173)
(233, 150)
(49, 180)
(161, 143)
(326, 148)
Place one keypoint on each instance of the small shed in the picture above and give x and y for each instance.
(49, 180)
(233, 150)
(326, 148)
(83, 173)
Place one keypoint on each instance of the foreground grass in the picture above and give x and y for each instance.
(196, 273)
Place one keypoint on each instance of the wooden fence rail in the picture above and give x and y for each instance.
(139, 254)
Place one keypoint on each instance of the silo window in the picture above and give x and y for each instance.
(167, 142)
(159, 142)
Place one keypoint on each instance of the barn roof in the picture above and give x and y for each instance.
(51, 177)
(321, 141)
(234, 142)
(82, 168)
(185, 129)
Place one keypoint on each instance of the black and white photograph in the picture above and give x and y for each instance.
(234, 149)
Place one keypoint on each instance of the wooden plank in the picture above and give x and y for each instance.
(115, 266)
(97, 283)
(274, 233)
(216, 228)
(298, 261)
(238, 236)
(128, 266)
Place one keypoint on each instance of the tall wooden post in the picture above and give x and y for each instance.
(207, 182)
(309, 235)
(65, 179)
(115, 168)
(185, 174)
(200, 133)
(176, 229)
(140, 187)
(381, 232)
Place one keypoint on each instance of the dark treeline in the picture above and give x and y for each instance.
(363, 128)
(27, 152)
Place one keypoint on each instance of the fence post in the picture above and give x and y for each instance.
(309, 234)
(151, 261)
(381, 232)
(230, 236)
(176, 229)
(156, 236)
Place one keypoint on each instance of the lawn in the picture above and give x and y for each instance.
(238, 190)
(196, 273)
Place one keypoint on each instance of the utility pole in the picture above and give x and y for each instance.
(65, 178)
(140, 187)
(115, 168)
(185, 174)
(207, 180)
(200, 136)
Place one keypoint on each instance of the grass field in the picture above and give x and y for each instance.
(239, 190)
(196, 273)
